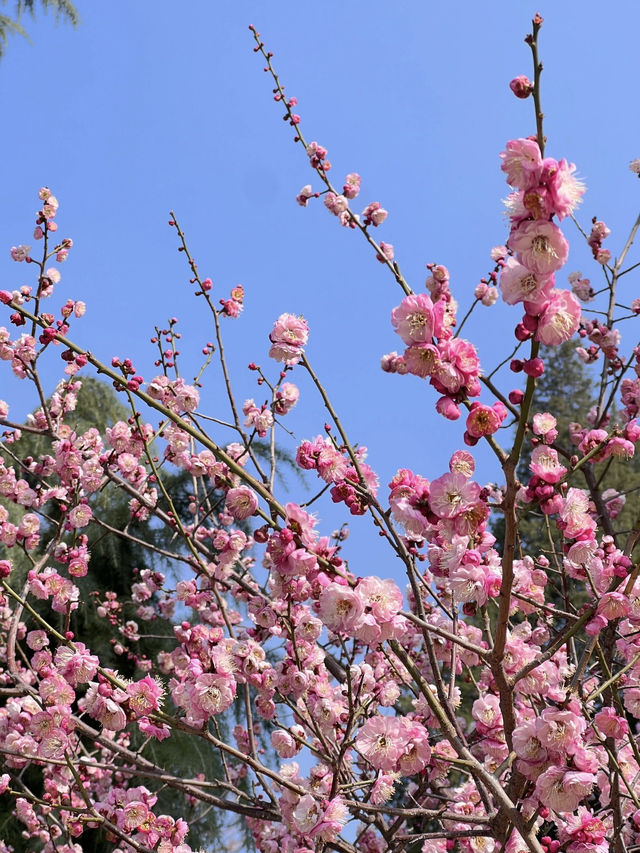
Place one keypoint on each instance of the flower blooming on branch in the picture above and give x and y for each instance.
(288, 338)
(485, 696)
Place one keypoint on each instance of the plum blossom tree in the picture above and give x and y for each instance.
(466, 708)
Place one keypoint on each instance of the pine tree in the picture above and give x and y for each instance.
(64, 10)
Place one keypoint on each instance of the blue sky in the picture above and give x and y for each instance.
(148, 107)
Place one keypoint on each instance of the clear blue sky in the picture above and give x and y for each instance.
(148, 107)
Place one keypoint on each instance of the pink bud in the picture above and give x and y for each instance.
(533, 367)
(445, 406)
(521, 86)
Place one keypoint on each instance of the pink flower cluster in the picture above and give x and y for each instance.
(344, 471)
(425, 324)
(543, 188)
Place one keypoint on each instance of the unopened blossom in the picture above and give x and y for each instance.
(446, 407)
(386, 252)
(521, 86)
(540, 246)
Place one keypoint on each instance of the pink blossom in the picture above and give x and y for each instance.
(341, 608)
(241, 502)
(585, 831)
(452, 494)
(351, 185)
(562, 789)
(284, 744)
(522, 163)
(417, 320)
(336, 204)
(321, 821)
(144, 696)
(304, 195)
(383, 597)
(544, 464)
(610, 724)
(374, 214)
(288, 337)
(20, 253)
(566, 190)
(463, 463)
(540, 246)
(213, 694)
(575, 514)
(519, 284)
(485, 420)
(80, 516)
(544, 423)
(421, 359)
(380, 742)
(560, 318)
(416, 752)
(286, 398)
(77, 664)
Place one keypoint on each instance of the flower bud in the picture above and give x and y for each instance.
(521, 86)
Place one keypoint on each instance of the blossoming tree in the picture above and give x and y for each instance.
(472, 706)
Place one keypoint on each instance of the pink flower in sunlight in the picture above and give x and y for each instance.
(417, 320)
(560, 319)
(540, 246)
(288, 337)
